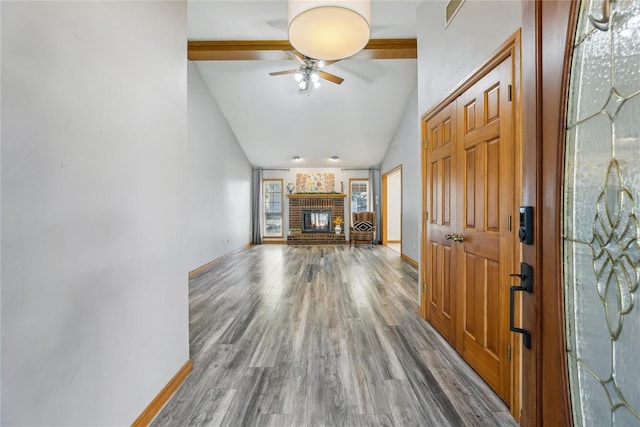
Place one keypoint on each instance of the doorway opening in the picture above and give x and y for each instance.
(392, 209)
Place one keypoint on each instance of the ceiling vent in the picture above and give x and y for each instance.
(452, 8)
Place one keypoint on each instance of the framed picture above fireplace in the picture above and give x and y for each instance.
(315, 183)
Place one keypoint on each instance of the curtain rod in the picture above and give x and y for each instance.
(271, 169)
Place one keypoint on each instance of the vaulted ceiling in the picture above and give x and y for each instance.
(273, 122)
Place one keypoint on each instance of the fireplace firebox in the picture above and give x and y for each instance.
(316, 221)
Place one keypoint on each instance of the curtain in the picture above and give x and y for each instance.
(256, 206)
(374, 182)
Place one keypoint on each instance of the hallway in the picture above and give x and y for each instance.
(325, 335)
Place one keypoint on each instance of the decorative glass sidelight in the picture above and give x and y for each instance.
(601, 204)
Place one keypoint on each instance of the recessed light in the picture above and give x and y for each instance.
(334, 157)
(296, 157)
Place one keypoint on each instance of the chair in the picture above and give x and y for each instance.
(362, 228)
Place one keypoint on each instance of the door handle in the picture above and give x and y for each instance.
(526, 285)
(457, 238)
(454, 237)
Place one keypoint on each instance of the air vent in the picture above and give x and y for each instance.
(452, 8)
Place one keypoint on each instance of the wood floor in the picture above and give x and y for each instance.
(395, 246)
(324, 335)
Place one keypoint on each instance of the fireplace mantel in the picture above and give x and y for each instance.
(316, 195)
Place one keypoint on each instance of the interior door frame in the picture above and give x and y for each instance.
(383, 222)
(511, 47)
(385, 200)
(548, 29)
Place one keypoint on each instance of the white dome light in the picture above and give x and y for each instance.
(329, 29)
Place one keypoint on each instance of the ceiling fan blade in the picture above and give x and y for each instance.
(279, 73)
(333, 79)
(296, 56)
(323, 62)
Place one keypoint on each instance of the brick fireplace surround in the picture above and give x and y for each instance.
(298, 202)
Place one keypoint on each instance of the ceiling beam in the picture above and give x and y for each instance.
(237, 50)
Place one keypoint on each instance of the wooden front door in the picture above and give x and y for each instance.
(548, 32)
(470, 194)
(485, 176)
(440, 297)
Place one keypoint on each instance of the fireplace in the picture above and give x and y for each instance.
(316, 220)
(316, 229)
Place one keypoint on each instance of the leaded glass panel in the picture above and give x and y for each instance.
(601, 195)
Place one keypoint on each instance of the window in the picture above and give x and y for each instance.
(359, 195)
(600, 225)
(272, 191)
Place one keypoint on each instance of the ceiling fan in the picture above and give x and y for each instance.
(309, 72)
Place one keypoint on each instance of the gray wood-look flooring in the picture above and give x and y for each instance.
(325, 335)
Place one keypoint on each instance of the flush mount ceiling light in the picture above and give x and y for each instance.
(329, 29)
(296, 157)
(334, 157)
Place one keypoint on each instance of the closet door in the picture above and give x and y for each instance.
(484, 243)
(470, 248)
(440, 295)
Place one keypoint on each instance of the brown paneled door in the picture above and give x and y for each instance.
(484, 243)
(440, 296)
(469, 195)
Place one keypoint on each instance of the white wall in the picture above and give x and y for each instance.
(447, 56)
(394, 206)
(94, 156)
(405, 150)
(219, 179)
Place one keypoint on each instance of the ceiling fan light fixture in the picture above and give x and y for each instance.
(316, 85)
(329, 30)
(298, 76)
(303, 84)
(315, 77)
